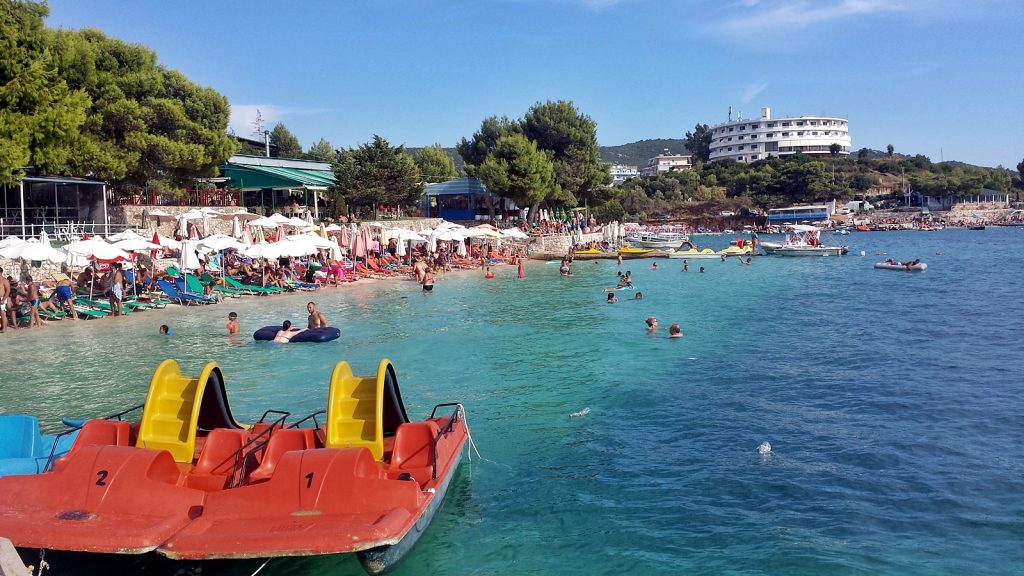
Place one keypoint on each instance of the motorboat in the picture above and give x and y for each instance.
(910, 266)
(190, 482)
(802, 240)
(658, 241)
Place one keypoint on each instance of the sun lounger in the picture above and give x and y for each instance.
(174, 294)
(256, 289)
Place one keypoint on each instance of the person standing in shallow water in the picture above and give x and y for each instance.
(428, 280)
(522, 269)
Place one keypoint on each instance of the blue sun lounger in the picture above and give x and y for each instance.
(183, 298)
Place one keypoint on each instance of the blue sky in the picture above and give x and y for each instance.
(944, 78)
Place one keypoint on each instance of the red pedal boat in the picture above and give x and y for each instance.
(189, 482)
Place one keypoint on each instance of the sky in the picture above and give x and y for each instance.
(943, 78)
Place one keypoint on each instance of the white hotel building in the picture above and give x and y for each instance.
(752, 140)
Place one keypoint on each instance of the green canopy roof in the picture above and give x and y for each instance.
(253, 177)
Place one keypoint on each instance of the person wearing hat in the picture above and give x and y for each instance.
(232, 324)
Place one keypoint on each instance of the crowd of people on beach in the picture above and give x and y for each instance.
(115, 289)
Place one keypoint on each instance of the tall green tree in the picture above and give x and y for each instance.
(570, 138)
(147, 125)
(377, 173)
(518, 170)
(698, 142)
(40, 115)
(322, 151)
(475, 151)
(435, 165)
(889, 150)
(287, 144)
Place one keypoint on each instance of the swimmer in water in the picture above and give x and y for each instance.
(285, 334)
(674, 331)
(165, 330)
(611, 298)
(232, 324)
(652, 324)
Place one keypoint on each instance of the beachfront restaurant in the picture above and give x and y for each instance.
(62, 206)
(267, 185)
(809, 213)
(465, 199)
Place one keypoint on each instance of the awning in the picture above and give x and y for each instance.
(259, 177)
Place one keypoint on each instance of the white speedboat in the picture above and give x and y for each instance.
(658, 241)
(802, 241)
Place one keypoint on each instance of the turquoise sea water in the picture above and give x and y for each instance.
(892, 402)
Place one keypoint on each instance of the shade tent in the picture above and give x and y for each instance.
(263, 223)
(278, 218)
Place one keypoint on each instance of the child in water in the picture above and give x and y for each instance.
(165, 330)
(232, 324)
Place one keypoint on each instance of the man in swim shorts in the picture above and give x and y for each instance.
(116, 290)
(232, 324)
(316, 317)
(63, 295)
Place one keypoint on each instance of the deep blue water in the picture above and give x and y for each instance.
(892, 402)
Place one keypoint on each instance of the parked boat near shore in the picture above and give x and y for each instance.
(802, 240)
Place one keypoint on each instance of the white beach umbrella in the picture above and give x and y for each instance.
(182, 229)
(98, 249)
(236, 228)
(279, 218)
(188, 259)
(264, 223)
(192, 214)
(33, 250)
(239, 213)
(136, 245)
(220, 242)
(166, 242)
(514, 233)
(126, 235)
(333, 228)
(296, 222)
(263, 250)
(10, 241)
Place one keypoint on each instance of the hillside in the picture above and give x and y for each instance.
(637, 153)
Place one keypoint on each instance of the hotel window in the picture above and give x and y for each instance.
(754, 157)
(753, 136)
(742, 128)
(785, 123)
(740, 148)
(730, 129)
(799, 123)
(814, 133)
(753, 126)
(771, 124)
(785, 134)
(770, 135)
(740, 138)
(799, 133)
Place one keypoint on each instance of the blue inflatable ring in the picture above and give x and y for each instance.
(309, 335)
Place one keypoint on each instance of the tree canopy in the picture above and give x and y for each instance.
(377, 173)
(126, 118)
(322, 151)
(287, 144)
(570, 138)
(435, 165)
(40, 114)
(698, 142)
(518, 170)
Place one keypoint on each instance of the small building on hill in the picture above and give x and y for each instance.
(666, 162)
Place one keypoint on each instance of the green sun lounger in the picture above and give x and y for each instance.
(256, 289)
